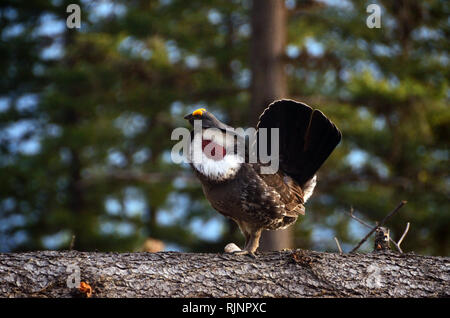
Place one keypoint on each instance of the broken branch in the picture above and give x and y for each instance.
(386, 218)
(369, 226)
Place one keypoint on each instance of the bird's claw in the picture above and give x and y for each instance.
(245, 252)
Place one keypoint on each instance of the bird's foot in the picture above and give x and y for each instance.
(231, 248)
(245, 252)
(235, 250)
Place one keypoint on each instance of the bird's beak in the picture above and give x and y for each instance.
(188, 117)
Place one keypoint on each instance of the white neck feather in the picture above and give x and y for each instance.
(218, 170)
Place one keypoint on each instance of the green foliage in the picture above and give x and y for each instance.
(86, 117)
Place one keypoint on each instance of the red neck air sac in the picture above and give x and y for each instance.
(213, 150)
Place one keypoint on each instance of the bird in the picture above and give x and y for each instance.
(238, 188)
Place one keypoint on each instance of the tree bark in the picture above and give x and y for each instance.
(268, 41)
(295, 273)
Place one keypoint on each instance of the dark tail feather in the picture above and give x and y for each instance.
(307, 137)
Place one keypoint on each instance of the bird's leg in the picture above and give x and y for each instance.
(245, 231)
(251, 244)
(247, 239)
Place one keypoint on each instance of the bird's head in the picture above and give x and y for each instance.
(208, 120)
(214, 144)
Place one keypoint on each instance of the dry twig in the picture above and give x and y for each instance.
(338, 245)
(387, 217)
(72, 242)
(358, 219)
(396, 244)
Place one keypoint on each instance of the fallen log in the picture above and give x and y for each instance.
(296, 273)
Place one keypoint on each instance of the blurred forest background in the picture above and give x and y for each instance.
(86, 117)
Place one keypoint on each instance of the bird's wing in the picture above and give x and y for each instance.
(290, 193)
(306, 137)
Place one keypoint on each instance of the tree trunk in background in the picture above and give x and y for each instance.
(268, 19)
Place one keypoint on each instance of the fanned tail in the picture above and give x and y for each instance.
(306, 137)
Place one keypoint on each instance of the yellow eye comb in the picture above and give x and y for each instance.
(199, 111)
